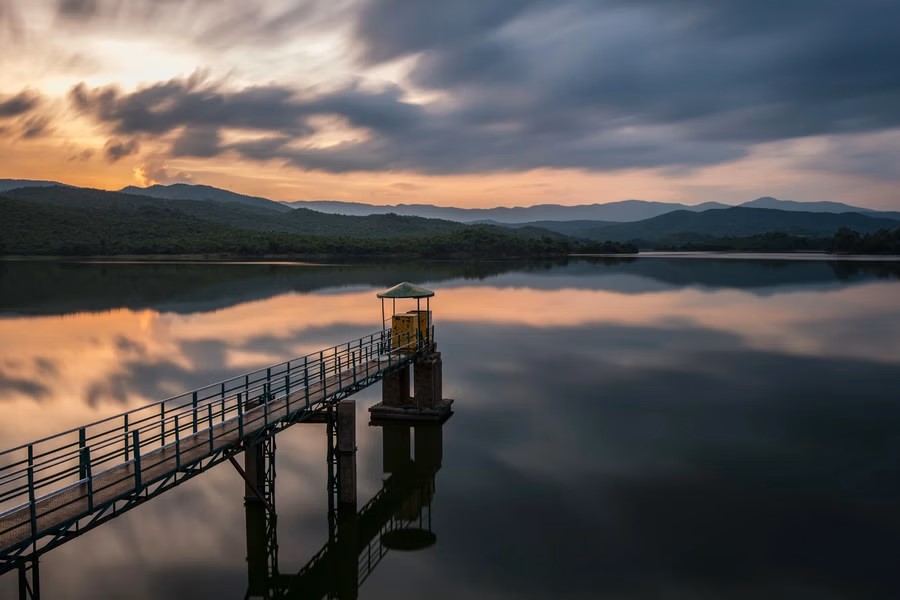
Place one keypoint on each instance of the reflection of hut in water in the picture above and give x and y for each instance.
(411, 527)
(412, 328)
(397, 518)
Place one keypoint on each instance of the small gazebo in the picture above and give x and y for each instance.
(412, 327)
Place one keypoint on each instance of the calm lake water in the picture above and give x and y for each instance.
(641, 428)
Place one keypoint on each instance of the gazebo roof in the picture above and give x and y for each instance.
(406, 290)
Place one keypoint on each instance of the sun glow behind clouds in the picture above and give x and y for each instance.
(519, 102)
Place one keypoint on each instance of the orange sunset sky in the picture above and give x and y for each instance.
(466, 104)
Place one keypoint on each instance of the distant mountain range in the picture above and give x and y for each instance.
(828, 207)
(622, 211)
(684, 226)
(626, 221)
(12, 184)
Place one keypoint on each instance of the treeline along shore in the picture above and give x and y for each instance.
(844, 241)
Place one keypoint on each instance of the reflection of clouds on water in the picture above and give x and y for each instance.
(726, 473)
(11, 386)
(617, 433)
(123, 358)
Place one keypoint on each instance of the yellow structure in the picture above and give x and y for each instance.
(412, 328)
(404, 333)
(424, 322)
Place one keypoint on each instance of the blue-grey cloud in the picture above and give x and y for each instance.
(118, 149)
(572, 83)
(19, 104)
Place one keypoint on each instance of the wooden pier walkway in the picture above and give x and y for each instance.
(58, 487)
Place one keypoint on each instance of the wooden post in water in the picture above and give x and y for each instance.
(346, 450)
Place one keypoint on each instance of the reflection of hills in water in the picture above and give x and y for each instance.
(56, 288)
(764, 277)
(38, 287)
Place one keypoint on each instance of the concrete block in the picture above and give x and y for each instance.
(395, 388)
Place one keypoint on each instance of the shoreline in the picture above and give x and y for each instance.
(337, 260)
(786, 255)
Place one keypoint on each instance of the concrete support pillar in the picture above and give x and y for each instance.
(255, 517)
(254, 471)
(428, 380)
(395, 388)
(395, 447)
(346, 455)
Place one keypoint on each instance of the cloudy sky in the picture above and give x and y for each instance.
(469, 102)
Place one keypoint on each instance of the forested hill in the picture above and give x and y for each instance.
(203, 193)
(72, 221)
(255, 218)
(737, 221)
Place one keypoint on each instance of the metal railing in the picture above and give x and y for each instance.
(72, 460)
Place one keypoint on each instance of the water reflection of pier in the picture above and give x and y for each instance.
(398, 517)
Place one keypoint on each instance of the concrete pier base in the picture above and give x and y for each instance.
(381, 414)
(426, 404)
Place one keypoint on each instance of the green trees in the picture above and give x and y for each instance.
(883, 241)
(32, 228)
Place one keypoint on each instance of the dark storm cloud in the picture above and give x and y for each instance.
(198, 141)
(19, 104)
(193, 101)
(118, 149)
(573, 83)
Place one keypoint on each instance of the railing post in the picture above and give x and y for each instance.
(125, 435)
(353, 354)
(223, 409)
(266, 407)
(194, 403)
(32, 509)
(306, 382)
(240, 408)
(89, 475)
(162, 424)
(136, 439)
(210, 418)
(287, 391)
(82, 444)
(177, 445)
